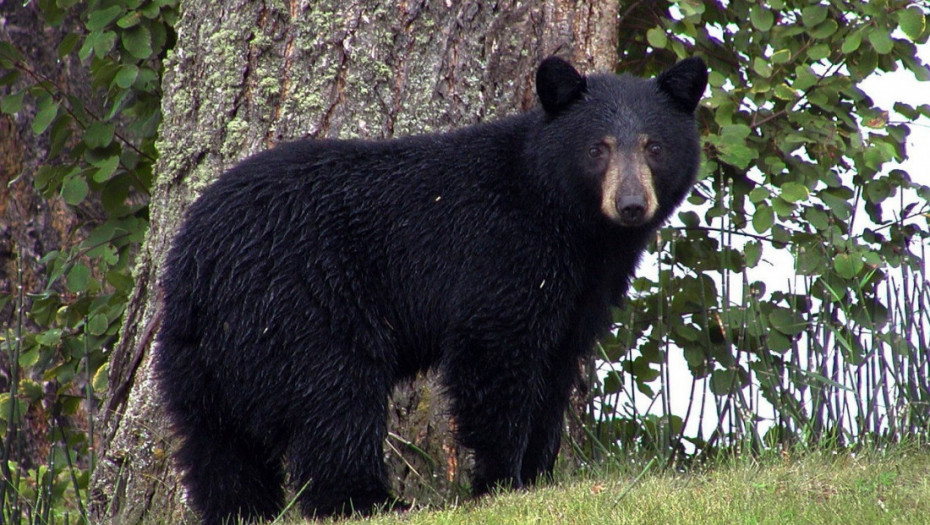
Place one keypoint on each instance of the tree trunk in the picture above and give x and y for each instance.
(247, 75)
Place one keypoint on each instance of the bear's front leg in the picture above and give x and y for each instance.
(494, 391)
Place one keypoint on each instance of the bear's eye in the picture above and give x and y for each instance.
(598, 151)
(654, 149)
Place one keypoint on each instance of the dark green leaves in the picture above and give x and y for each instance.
(99, 158)
(804, 225)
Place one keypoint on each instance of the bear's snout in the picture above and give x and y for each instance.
(631, 210)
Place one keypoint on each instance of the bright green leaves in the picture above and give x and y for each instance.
(98, 43)
(74, 190)
(825, 29)
(881, 40)
(802, 221)
(99, 134)
(138, 41)
(733, 144)
(99, 157)
(912, 22)
(848, 265)
(814, 15)
(656, 38)
(100, 18)
(794, 192)
(851, 43)
(761, 17)
(47, 111)
(763, 218)
(78, 278)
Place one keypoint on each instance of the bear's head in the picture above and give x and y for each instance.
(626, 145)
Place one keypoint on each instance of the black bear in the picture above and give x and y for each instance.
(311, 278)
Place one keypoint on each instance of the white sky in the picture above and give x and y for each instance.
(901, 86)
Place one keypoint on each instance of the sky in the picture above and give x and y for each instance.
(901, 86)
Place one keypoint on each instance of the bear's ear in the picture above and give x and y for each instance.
(684, 83)
(558, 84)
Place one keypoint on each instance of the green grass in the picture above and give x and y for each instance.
(847, 489)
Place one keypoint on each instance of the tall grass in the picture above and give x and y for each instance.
(35, 491)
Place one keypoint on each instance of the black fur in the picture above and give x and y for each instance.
(311, 278)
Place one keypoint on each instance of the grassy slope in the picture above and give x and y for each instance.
(820, 488)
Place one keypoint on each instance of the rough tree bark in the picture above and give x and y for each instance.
(246, 75)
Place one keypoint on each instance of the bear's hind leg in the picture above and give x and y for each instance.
(336, 457)
(228, 477)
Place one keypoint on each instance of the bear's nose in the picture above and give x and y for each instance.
(632, 209)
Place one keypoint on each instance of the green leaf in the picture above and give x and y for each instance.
(97, 324)
(753, 252)
(878, 190)
(129, 20)
(851, 42)
(99, 134)
(9, 52)
(9, 78)
(102, 17)
(737, 154)
(106, 168)
(783, 209)
(68, 43)
(818, 52)
(48, 110)
(762, 67)
(787, 321)
(101, 377)
(49, 337)
(695, 357)
(104, 43)
(763, 218)
(785, 92)
(97, 42)
(11, 104)
(816, 217)
(804, 77)
(656, 38)
(74, 190)
(138, 41)
(794, 192)
(722, 382)
(841, 208)
(735, 131)
(848, 265)
(126, 76)
(777, 342)
(759, 194)
(825, 30)
(78, 278)
(912, 22)
(781, 56)
(881, 40)
(813, 15)
(29, 358)
(761, 18)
